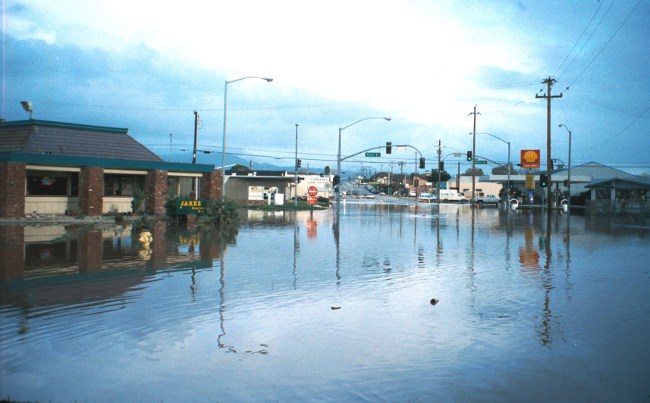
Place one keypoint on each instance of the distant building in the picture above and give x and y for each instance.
(63, 168)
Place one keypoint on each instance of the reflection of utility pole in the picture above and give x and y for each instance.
(549, 82)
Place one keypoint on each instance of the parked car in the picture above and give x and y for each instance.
(488, 199)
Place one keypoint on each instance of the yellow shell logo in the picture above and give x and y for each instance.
(530, 156)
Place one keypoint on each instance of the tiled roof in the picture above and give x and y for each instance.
(56, 138)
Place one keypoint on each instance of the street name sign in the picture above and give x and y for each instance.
(372, 154)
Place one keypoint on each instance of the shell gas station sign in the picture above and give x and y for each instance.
(530, 158)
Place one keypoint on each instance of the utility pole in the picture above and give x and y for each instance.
(196, 133)
(195, 182)
(474, 154)
(295, 174)
(170, 147)
(549, 83)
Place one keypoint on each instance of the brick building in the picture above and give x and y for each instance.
(57, 168)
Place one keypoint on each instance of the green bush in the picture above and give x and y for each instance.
(171, 207)
(219, 213)
(138, 197)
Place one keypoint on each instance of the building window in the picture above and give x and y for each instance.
(181, 186)
(122, 185)
(45, 183)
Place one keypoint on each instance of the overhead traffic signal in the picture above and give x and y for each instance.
(389, 147)
(421, 162)
(543, 180)
(469, 156)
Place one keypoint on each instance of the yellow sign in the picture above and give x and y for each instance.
(189, 206)
(530, 182)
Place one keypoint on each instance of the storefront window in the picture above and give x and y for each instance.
(122, 185)
(180, 186)
(44, 183)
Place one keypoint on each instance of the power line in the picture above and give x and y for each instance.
(606, 43)
(600, 4)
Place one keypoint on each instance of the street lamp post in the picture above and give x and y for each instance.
(569, 168)
(508, 143)
(295, 180)
(338, 159)
(225, 113)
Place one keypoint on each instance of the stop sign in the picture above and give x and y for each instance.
(312, 191)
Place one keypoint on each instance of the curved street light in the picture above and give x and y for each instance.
(508, 143)
(225, 112)
(338, 158)
(568, 169)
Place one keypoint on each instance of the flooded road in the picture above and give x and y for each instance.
(295, 307)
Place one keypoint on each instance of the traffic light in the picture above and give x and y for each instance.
(336, 180)
(421, 162)
(441, 166)
(543, 180)
(389, 147)
(298, 163)
(469, 156)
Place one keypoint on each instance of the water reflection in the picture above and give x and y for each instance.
(515, 290)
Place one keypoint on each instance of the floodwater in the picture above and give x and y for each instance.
(302, 308)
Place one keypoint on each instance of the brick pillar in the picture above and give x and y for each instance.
(91, 191)
(13, 179)
(155, 192)
(211, 185)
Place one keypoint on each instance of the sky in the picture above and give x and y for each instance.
(149, 65)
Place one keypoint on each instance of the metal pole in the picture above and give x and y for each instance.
(338, 172)
(474, 158)
(295, 188)
(438, 194)
(223, 148)
(569, 168)
(195, 182)
(225, 113)
(569, 177)
(508, 190)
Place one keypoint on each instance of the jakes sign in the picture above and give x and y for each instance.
(190, 206)
(530, 158)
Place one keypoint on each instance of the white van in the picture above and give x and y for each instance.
(450, 195)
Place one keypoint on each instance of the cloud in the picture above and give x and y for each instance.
(425, 64)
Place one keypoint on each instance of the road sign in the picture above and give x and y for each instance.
(478, 162)
(312, 200)
(369, 154)
(312, 191)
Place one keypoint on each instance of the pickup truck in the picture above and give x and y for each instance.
(488, 199)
